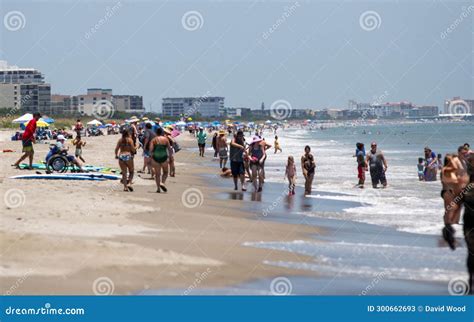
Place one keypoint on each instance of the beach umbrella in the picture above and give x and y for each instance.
(47, 120)
(23, 119)
(94, 122)
(39, 123)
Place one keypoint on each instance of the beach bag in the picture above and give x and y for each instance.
(176, 147)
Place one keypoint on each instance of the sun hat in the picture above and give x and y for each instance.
(60, 137)
(221, 132)
(256, 139)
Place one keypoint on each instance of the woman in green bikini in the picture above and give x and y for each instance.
(159, 155)
(124, 153)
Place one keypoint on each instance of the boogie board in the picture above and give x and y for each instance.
(57, 177)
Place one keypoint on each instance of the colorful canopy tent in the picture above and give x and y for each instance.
(23, 119)
(94, 122)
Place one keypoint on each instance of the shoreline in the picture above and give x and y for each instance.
(65, 236)
(213, 240)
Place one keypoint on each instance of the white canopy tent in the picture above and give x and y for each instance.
(94, 122)
(23, 119)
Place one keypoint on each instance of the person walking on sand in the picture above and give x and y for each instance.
(276, 144)
(78, 127)
(124, 153)
(148, 135)
(290, 173)
(214, 144)
(171, 152)
(159, 152)
(79, 144)
(361, 165)
(257, 156)
(201, 140)
(377, 165)
(27, 141)
(308, 166)
(237, 149)
(222, 148)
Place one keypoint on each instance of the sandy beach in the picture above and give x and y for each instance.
(88, 237)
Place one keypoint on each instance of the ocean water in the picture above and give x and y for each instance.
(406, 204)
(392, 232)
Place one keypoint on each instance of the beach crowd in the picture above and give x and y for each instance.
(247, 164)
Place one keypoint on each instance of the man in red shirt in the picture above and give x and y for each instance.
(27, 141)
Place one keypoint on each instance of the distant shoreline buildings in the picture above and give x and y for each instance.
(26, 89)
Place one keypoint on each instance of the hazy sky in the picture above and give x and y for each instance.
(314, 54)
